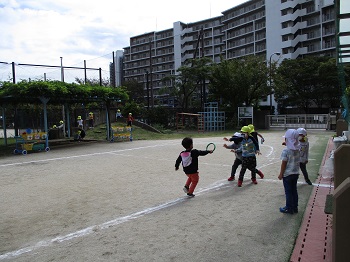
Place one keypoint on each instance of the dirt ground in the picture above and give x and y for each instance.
(124, 202)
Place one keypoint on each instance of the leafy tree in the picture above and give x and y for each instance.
(135, 91)
(93, 81)
(188, 82)
(308, 81)
(240, 81)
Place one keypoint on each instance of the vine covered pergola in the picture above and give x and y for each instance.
(56, 93)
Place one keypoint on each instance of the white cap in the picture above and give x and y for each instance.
(237, 134)
(302, 131)
(291, 137)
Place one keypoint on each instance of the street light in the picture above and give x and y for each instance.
(270, 80)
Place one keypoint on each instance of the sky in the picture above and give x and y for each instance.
(40, 32)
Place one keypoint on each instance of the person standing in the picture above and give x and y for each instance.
(80, 122)
(289, 171)
(189, 159)
(130, 119)
(236, 147)
(255, 134)
(250, 147)
(91, 120)
(304, 153)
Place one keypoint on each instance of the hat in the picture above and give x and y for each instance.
(61, 122)
(91, 113)
(302, 131)
(291, 137)
(237, 134)
(245, 129)
(251, 127)
(79, 117)
(130, 113)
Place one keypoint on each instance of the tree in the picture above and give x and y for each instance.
(308, 81)
(188, 82)
(240, 81)
(93, 81)
(135, 91)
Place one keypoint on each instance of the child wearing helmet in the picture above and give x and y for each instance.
(250, 147)
(236, 147)
(91, 120)
(80, 122)
(255, 134)
(130, 119)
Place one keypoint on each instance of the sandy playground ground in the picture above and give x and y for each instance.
(124, 202)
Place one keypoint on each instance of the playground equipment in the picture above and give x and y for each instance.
(30, 142)
(214, 120)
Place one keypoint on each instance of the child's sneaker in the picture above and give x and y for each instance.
(190, 195)
(260, 174)
(285, 210)
(240, 182)
(254, 181)
(231, 178)
(186, 188)
(308, 182)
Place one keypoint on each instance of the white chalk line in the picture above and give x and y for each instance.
(84, 155)
(89, 230)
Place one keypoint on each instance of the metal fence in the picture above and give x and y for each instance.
(307, 121)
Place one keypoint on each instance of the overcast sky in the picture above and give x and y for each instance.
(40, 32)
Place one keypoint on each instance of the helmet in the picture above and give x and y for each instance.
(54, 126)
(118, 110)
(130, 113)
(91, 113)
(61, 122)
(251, 127)
(79, 117)
(245, 129)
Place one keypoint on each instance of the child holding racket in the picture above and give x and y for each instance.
(189, 159)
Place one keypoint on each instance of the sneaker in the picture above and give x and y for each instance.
(254, 181)
(285, 210)
(231, 178)
(190, 195)
(186, 188)
(308, 182)
(240, 182)
(260, 174)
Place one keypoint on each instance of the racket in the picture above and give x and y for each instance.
(211, 147)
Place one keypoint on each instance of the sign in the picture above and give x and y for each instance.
(245, 112)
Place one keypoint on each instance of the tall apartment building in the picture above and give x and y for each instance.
(292, 28)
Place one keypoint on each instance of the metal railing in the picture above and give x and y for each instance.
(307, 121)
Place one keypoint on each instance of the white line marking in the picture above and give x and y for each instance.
(89, 230)
(85, 155)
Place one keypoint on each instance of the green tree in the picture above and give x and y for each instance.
(240, 81)
(189, 81)
(135, 91)
(307, 82)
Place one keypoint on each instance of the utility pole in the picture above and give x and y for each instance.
(270, 80)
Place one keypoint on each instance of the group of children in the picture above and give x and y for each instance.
(246, 147)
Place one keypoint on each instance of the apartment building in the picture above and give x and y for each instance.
(276, 29)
